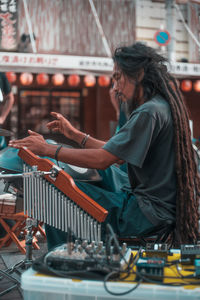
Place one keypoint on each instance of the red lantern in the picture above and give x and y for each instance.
(42, 78)
(89, 80)
(26, 78)
(186, 85)
(58, 79)
(73, 80)
(104, 81)
(197, 86)
(11, 76)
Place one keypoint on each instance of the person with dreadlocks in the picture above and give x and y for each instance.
(162, 184)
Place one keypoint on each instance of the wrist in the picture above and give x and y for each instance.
(77, 136)
(49, 150)
(84, 140)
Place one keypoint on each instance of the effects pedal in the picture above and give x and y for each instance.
(189, 253)
(149, 267)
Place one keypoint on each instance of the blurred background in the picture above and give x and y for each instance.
(57, 57)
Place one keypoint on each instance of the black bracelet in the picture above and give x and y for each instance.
(56, 153)
(84, 140)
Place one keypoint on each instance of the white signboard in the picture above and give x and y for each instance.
(52, 63)
(62, 62)
(185, 69)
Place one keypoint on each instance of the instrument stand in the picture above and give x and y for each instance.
(22, 265)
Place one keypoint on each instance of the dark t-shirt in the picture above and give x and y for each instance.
(146, 143)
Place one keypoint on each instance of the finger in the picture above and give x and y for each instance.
(55, 129)
(17, 141)
(33, 133)
(17, 144)
(52, 124)
(57, 115)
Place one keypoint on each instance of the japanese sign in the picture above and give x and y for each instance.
(8, 24)
(47, 61)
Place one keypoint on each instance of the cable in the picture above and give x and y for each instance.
(113, 236)
(99, 26)
(127, 273)
(122, 293)
(108, 269)
(28, 20)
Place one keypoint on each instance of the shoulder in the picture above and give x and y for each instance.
(157, 107)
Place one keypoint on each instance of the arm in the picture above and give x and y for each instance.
(87, 158)
(9, 101)
(63, 126)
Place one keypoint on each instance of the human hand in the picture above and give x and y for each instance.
(34, 142)
(62, 125)
(114, 101)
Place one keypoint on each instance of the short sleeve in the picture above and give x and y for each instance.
(133, 140)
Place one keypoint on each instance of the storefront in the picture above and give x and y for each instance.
(75, 86)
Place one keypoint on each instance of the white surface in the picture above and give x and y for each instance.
(50, 288)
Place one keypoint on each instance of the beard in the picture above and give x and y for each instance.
(131, 104)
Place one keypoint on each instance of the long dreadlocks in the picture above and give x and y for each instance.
(131, 61)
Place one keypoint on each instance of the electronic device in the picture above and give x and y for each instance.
(85, 256)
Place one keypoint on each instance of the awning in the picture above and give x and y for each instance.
(67, 64)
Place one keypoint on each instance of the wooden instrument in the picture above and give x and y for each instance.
(56, 200)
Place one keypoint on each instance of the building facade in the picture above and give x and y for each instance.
(67, 37)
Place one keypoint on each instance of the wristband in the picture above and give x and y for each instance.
(84, 140)
(56, 153)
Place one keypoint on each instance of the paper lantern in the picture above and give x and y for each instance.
(104, 81)
(89, 80)
(73, 80)
(26, 78)
(42, 78)
(11, 76)
(186, 85)
(58, 79)
(196, 86)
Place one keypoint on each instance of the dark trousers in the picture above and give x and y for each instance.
(112, 193)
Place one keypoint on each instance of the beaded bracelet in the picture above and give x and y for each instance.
(84, 140)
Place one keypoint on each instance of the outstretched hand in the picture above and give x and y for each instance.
(34, 142)
(61, 125)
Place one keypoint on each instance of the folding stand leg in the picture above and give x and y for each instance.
(11, 234)
(16, 285)
(26, 263)
(40, 229)
(14, 231)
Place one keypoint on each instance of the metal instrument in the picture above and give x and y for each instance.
(4, 132)
(54, 199)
